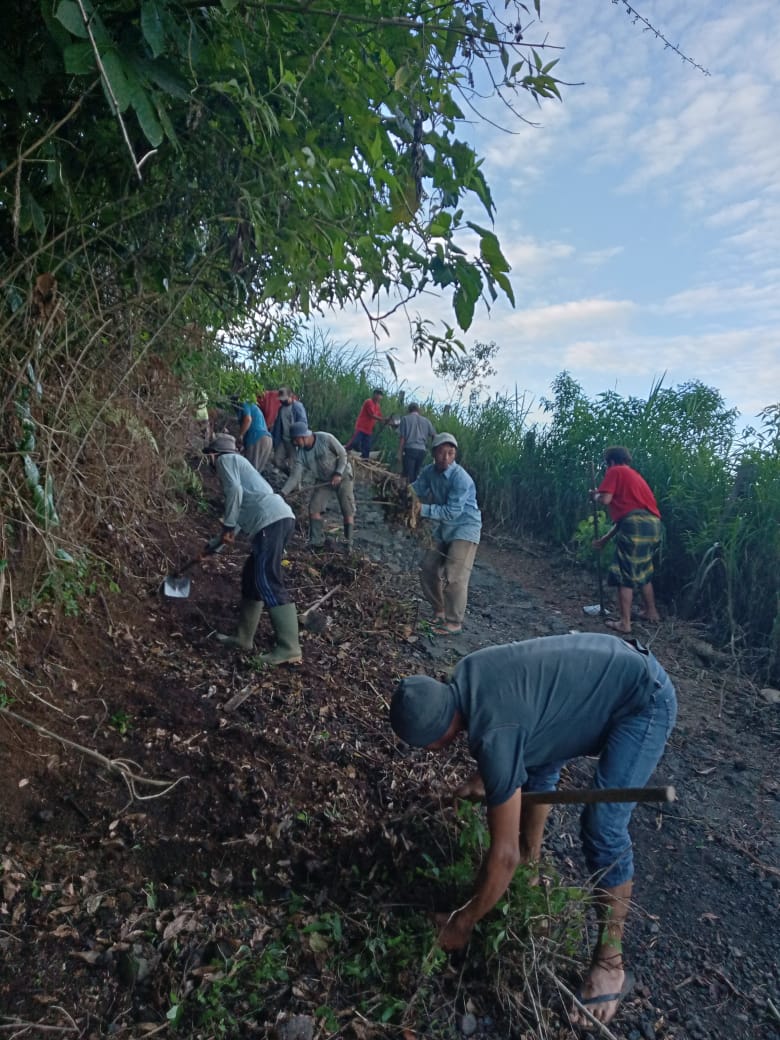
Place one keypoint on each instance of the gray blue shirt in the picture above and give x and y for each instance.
(325, 459)
(415, 431)
(545, 701)
(250, 502)
(450, 500)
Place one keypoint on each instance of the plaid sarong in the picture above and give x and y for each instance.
(637, 538)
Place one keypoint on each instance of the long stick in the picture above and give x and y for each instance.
(318, 603)
(590, 796)
(595, 535)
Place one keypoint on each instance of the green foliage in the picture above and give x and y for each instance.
(380, 962)
(68, 584)
(583, 536)
(253, 157)
(467, 369)
(121, 722)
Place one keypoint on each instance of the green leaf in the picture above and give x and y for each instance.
(463, 303)
(490, 250)
(506, 285)
(69, 15)
(147, 117)
(115, 73)
(79, 59)
(152, 27)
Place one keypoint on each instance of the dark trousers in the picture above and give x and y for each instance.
(262, 577)
(412, 463)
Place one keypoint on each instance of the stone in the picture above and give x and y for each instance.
(468, 1024)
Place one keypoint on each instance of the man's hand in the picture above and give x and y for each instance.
(454, 930)
(335, 479)
(416, 507)
(599, 543)
(473, 790)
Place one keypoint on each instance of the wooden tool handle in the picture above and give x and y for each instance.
(607, 794)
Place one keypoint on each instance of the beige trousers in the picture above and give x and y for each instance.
(444, 575)
(259, 453)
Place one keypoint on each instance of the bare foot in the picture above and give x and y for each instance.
(601, 993)
(653, 618)
(618, 626)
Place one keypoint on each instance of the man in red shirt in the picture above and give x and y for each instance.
(637, 532)
(364, 427)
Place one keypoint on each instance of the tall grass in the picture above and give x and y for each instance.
(719, 495)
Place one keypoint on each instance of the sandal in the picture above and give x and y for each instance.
(606, 998)
(443, 628)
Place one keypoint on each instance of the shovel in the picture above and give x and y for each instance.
(596, 609)
(176, 586)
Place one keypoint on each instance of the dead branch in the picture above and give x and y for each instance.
(113, 765)
(578, 1004)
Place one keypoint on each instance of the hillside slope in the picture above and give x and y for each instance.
(286, 866)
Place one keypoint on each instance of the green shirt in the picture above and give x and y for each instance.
(546, 700)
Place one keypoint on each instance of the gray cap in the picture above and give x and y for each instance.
(421, 710)
(299, 429)
(221, 444)
(444, 438)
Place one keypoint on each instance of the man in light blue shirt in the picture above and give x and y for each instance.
(446, 495)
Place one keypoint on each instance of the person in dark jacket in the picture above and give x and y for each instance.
(290, 411)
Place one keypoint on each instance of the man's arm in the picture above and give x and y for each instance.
(231, 485)
(341, 455)
(496, 872)
(246, 422)
(459, 492)
(294, 479)
(599, 543)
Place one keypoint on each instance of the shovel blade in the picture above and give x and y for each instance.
(176, 588)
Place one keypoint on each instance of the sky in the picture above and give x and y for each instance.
(641, 216)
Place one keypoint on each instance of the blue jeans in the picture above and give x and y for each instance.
(633, 749)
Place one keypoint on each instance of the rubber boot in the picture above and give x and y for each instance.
(316, 533)
(288, 648)
(248, 620)
(349, 537)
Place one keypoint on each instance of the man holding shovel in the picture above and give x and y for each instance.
(527, 709)
(252, 506)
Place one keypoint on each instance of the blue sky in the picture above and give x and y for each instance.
(641, 217)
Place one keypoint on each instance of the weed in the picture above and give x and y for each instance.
(121, 722)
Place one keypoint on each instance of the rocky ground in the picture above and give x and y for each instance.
(277, 881)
